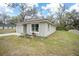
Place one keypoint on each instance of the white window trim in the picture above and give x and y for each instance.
(35, 28)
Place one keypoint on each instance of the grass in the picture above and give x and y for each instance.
(6, 30)
(59, 43)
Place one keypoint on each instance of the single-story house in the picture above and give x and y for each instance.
(39, 27)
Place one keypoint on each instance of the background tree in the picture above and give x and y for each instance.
(68, 20)
(3, 17)
(60, 17)
(25, 10)
(13, 20)
(73, 19)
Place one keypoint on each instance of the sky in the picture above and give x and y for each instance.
(43, 8)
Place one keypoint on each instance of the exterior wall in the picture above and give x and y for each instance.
(43, 29)
(29, 31)
(19, 29)
(49, 30)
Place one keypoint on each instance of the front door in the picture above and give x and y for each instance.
(25, 28)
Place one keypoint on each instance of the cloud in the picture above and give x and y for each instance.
(44, 7)
(3, 5)
(5, 9)
(52, 7)
(36, 5)
(39, 14)
(9, 10)
(32, 4)
(74, 7)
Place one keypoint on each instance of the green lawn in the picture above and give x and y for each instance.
(59, 43)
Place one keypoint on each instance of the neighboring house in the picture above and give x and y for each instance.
(38, 27)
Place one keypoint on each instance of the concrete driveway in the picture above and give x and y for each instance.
(9, 34)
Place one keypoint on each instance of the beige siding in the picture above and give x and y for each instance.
(44, 30)
(19, 29)
(41, 29)
(49, 30)
(29, 29)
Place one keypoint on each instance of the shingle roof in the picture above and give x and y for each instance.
(36, 21)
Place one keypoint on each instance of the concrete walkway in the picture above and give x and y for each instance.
(8, 34)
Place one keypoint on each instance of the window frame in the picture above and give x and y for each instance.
(35, 27)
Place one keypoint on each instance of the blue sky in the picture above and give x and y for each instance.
(68, 5)
(42, 8)
(39, 8)
(17, 9)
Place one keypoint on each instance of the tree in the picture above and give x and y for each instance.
(25, 10)
(13, 20)
(69, 20)
(33, 12)
(61, 17)
(74, 19)
(4, 18)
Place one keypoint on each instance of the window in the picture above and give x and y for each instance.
(35, 27)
